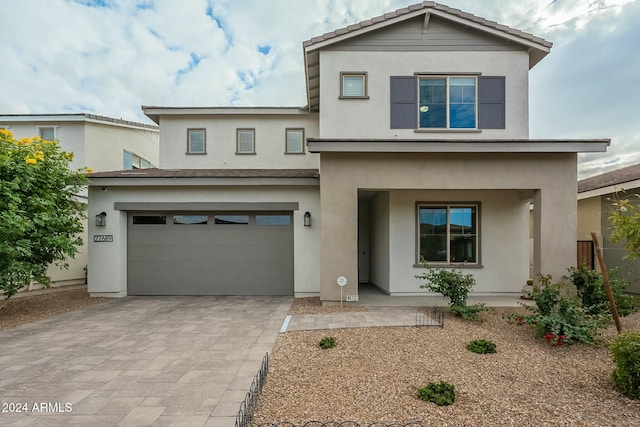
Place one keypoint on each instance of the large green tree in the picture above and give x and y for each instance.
(40, 212)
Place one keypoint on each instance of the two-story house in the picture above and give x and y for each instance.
(99, 142)
(414, 146)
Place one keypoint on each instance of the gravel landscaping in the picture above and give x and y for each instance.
(373, 374)
(23, 309)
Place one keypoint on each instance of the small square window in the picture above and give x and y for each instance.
(47, 133)
(353, 85)
(295, 141)
(245, 141)
(196, 141)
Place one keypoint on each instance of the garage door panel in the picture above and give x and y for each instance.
(210, 259)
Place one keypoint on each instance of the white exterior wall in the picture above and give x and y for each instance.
(503, 234)
(221, 142)
(105, 145)
(370, 118)
(95, 144)
(108, 261)
(70, 136)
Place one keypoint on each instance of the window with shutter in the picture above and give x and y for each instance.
(447, 102)
(404, 102)
(491, 102)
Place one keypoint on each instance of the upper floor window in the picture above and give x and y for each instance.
(47, 133)
(353, 85)
(447, 102)
(245, 141)
(448, 233)
(196, 141)
(133, 161)
(295, 141)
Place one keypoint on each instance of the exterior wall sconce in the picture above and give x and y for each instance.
(101, 219)
(307, 219)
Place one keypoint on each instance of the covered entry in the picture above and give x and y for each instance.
(210, 253)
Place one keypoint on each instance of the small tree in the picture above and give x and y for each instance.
(40, 215)
(455, 285)
(625, 224)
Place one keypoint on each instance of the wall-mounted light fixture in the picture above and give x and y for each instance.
(101, 219)
(307, 219)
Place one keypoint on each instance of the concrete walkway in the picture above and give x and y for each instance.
(385, 310)
(373, 317)
(138, 361)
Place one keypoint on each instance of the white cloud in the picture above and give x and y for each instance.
(121, 54)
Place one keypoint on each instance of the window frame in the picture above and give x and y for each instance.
(447, 78)
(253, 140)
(365, 84)
(137, 162)
(449, 205)
(286, 140)
(53, 127)
(204, 141)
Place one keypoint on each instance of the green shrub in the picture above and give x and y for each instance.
(590, 286)
(327, 342)
(469, 311)
(455, 285)
(442, 393)
(450, 283)
(626, 356)
(482, 346)
(559, 317)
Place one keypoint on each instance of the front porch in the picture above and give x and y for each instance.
(370, 296)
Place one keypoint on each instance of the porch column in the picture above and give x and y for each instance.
(339, 235)
(554, 231)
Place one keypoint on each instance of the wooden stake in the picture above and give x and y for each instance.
(607, 284)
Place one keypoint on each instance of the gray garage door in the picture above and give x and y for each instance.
(210, 253)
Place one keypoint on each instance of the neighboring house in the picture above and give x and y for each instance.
(101, 143)
(595, 198)
(414, 145)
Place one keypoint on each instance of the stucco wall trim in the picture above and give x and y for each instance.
(317, 145)
(205, 206)
(197, 182)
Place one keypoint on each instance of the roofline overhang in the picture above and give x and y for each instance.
(74, 118)
(609, 189)
(154, 112)
(141, 181)
(310, 46)
(339, 145)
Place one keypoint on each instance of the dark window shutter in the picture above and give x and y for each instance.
(491, 108)
(404, 102)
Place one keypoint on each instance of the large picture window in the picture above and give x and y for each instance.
(447, 102)
(448, 233)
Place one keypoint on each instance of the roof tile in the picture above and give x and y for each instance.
(616, 177)
(429, 5)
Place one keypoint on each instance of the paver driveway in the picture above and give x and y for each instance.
(149, 361)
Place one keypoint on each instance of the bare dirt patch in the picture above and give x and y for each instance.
(27, 309)
(373, 375)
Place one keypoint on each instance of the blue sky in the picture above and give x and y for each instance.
(109, 57)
